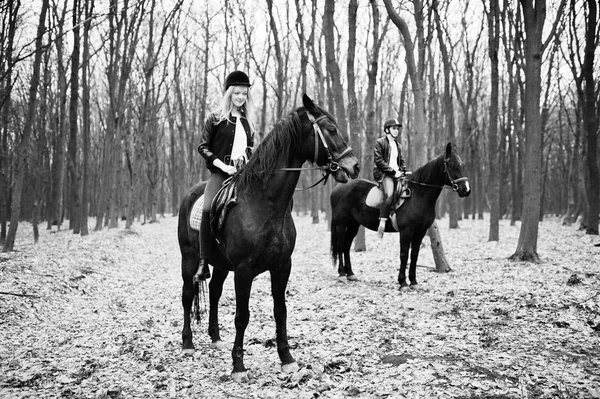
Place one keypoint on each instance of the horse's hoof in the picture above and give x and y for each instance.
(404, 285)
(188, 352)
(352, 278)
(289, 368)
(220, 345)
(240, 376)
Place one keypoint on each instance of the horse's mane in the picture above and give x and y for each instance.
(430, 170)
(283, 137)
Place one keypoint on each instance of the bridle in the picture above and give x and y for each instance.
(332, 164)
(453, 182)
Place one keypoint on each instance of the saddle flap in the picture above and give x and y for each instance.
(224, 200)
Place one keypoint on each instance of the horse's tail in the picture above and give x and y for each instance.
(336, 248)
(199, 291)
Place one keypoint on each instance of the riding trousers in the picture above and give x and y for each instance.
(215, 182)
(388, 185)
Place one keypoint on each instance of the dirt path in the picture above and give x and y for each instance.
(104, 320)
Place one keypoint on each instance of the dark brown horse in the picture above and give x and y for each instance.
(351, 207)
(259, 233)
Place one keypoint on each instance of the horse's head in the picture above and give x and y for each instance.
(329, 148)
(455, 178)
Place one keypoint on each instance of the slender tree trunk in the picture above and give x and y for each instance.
(8, 36)
(493, 17)
(72, 161)
(27, 130)
(85, 100)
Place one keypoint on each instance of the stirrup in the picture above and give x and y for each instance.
(405, 193)
(203, 272)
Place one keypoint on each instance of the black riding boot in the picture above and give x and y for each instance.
(203, 272)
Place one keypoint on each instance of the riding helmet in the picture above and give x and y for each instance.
(237, 78)
(391, 123)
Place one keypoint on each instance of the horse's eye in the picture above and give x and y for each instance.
(333, 131)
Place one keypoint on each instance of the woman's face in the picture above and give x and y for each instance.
(395, 130)
(239, 95)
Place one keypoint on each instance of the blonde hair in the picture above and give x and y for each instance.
(226, 107)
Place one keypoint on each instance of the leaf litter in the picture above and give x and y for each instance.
(100, 317)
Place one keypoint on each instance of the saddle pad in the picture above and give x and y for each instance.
(374, 198)
(196, 214)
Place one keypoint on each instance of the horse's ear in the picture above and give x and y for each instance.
(309, 104)
(448, 150)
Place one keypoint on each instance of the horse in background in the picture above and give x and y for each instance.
(352, 207)
(258, 233)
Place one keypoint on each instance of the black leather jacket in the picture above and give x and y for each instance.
(382, 153)
(217, 140)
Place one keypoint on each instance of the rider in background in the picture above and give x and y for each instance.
(389, 166)
(226, 145)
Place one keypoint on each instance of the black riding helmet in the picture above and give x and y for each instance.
(391, 123)
(237, 78)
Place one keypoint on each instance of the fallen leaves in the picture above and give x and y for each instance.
(100, 317)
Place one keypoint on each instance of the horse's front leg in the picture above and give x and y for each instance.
(279, 281)
(215, 289)
(414, 256)
(405, 238)
(243, 285)
(189, 263)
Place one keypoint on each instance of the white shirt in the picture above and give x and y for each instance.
(239, 141)
(393, 153)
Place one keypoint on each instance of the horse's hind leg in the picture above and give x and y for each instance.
(279, 281)
(215, 290)
(189, 262)
(351, 232)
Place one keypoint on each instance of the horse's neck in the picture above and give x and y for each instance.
(280, 185)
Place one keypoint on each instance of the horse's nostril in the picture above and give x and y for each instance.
(357, 168)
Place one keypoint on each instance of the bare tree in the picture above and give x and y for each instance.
(27, 128)
(420, 125)
(493, 18)
(75, 216)
(85, 102)
(534, 16)
(10, 12)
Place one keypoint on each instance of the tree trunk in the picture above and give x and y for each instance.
(8, 36)
(534, 18)
(27, 130)
(75, 216)
(493, 17)
(85, 100)
(591, 119)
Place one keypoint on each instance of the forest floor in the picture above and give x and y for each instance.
(101, 317)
